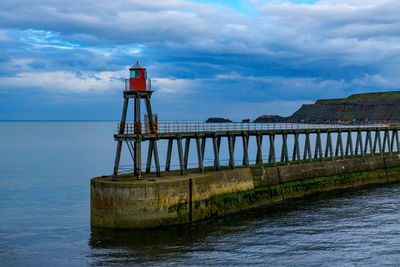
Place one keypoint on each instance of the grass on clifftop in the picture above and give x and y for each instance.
(361, 97)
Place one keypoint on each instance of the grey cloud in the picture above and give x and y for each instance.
(306, 32)
(117, 21)
(338, 19)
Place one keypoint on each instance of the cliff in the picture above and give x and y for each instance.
(359, 107)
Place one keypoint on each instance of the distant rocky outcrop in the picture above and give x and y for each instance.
(383, 106)
(270, 118)
(216, 120)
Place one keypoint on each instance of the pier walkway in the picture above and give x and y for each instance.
(298, 142)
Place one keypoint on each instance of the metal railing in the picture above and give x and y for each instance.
(185, 127)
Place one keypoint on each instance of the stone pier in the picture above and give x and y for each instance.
(176, 199)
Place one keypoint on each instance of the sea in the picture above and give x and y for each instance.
(45, 172)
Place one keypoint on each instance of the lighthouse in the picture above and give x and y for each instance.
(138, 78)
(138, 88)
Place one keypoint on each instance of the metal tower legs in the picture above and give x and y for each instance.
(137, 147)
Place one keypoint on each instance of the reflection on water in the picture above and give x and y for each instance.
(342, 227)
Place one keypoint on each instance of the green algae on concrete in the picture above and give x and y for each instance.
(129, 203)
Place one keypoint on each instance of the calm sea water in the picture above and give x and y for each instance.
(45, 171)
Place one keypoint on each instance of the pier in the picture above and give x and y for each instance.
(330, 141)
(292, 160)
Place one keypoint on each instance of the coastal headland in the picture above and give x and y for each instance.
(380, 106)
(367, 107)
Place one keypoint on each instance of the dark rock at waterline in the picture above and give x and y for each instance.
(270, 118)
(216, 120)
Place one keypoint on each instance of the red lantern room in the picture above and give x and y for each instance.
(138, 76)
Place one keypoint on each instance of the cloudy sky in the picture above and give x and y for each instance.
(238, 59)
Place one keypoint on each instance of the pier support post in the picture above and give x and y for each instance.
(392, 142)
(138, 144)
(199, 155)
(259, 147)
(169, 152)
(245, 141)
(377, 141)
(397, 140)
(259, 151)
(307, 148)
(156, 159)
(231, 151)
(386, 139)
(116, 163)
(119, 145)
(180, 155)
(368, 143)
(218, 144)
(272, 156)
(149, 156)
(153, 151)
(296, 149)
(152, 128)
(328, 147)
(359, 144)
(339, 145)
(318, 147)
(186, 157)
(203, 147)
(216, 153)
(395, 137)
(138, 156)
(349, 144)
(284, 153)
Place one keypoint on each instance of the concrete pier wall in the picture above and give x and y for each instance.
(129, 203)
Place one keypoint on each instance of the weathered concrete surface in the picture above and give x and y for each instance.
(129, 203)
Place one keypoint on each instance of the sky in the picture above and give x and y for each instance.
(67, 60)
